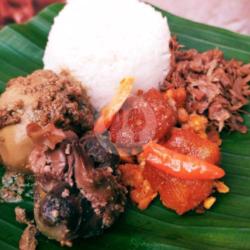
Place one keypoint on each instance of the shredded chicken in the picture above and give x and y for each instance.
(215, 87)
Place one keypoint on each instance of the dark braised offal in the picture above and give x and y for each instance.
(77, 192)
(100, 150)
(215, 87)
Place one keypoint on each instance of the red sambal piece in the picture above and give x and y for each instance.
(141, 191)
(186, 141)
(176, 193)
(143, 118)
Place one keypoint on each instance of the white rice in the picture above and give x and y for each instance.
(103, 41)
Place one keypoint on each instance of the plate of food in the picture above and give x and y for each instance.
(123, 126)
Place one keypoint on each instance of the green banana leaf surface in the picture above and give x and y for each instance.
(225, 226)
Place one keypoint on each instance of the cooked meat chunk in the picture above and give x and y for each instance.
(78, 192)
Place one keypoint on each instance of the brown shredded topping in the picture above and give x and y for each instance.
(215, 87)
(21, 215)
(12, 188)
(11, 115)
(28, 239)
(45, 97)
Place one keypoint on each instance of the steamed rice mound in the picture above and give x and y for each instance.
(101, 42)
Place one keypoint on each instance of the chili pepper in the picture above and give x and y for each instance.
(179, 165)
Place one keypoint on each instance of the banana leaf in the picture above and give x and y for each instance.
(225, 226)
